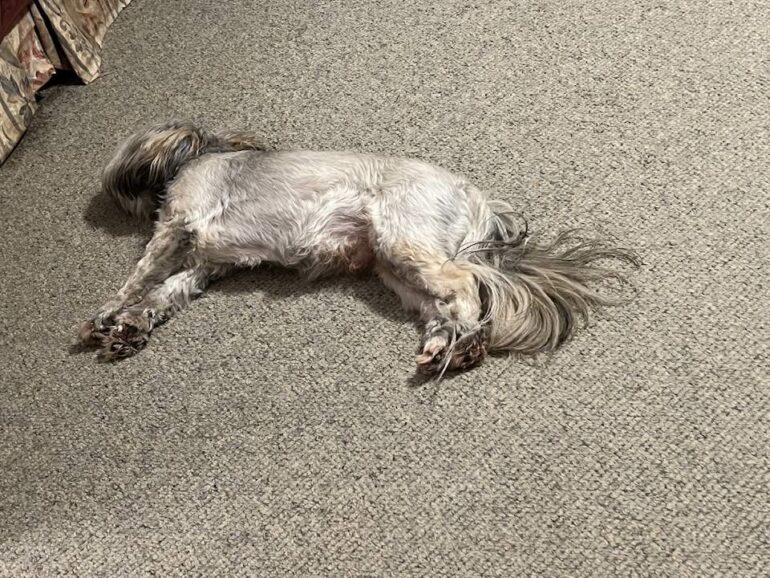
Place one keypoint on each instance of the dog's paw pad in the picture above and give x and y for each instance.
(432, 348)
(471, 353)
(124, 340)
(440, 352)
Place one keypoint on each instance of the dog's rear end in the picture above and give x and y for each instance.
(478, 282)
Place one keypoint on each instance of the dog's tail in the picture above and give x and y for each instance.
(535, 293)
(137, 175)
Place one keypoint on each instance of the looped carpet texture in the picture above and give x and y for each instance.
(272, 429)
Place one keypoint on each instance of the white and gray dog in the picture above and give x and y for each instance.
(220, 200)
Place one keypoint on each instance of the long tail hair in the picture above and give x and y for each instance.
(137, 175)
(536, 293)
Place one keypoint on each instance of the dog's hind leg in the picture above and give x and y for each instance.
(164, 255)
(421, 215)
(447, 298)
(133, 324)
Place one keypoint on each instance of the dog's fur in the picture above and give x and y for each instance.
(479, 283)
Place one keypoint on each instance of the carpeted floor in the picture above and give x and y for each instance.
(271, 429)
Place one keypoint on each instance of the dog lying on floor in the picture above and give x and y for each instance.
(220, 200)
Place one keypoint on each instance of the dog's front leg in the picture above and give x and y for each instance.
(163, 256)
(133, 324)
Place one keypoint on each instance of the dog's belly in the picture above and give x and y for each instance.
(343, 243)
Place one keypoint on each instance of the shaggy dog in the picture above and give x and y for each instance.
(220, 200)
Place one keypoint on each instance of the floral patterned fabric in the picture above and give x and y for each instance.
(53, 34)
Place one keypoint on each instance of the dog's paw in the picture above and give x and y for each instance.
(470, 351)
(92, 333)
(128, 336)
(445, 348)
(435, 341)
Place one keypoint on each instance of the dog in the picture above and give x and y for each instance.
(479, 282)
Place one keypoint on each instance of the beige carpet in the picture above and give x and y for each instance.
(271, 429)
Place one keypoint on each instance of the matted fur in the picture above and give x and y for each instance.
(477, 280)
